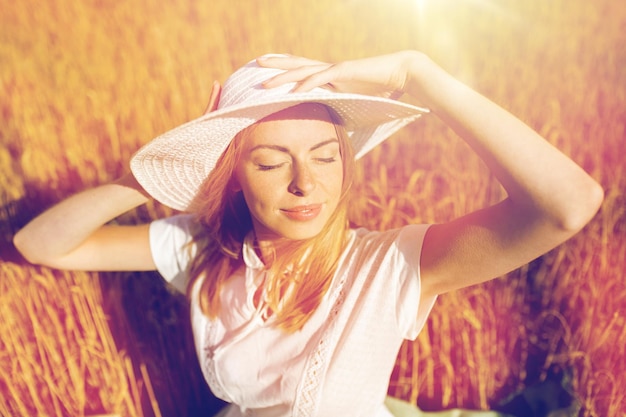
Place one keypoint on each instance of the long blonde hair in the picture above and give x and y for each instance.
(297, 280)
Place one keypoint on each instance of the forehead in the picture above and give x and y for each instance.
(302, 123)
(302, 111)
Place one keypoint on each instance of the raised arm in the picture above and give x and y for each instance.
(73, 235)
(550, 198)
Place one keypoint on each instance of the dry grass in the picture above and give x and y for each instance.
(83, 84)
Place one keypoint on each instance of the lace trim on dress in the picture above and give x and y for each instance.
(208, 364)
(309, 391)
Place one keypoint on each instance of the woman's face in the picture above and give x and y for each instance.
(291, 173)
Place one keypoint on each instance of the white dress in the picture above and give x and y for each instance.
(340, 362)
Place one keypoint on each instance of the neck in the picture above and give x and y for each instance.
(268, 249)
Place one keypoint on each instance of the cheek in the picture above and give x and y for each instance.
(333, 179)
(258, 191)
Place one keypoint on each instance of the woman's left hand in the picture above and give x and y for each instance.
(384, 75)
(544, 207)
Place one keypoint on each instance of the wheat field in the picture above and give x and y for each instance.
(84, 83)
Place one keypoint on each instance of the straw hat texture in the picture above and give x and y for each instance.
(173, 166)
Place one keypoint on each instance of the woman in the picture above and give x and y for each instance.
(293, 312)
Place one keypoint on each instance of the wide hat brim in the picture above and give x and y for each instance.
(173, 166)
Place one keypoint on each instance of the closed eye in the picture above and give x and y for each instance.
(326, 160)
(261, 167)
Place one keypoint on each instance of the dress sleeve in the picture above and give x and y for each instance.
(171, 251)
(412, 309)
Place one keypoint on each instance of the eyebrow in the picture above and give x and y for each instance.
(286, 150)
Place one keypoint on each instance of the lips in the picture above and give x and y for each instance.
(303, 213)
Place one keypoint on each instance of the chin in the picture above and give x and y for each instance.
(288, 231)
(283, 228)
(303, 234)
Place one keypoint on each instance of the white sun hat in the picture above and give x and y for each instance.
(173, 166)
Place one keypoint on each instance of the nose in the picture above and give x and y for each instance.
(302, 181)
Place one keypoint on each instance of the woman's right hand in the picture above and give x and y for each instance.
(214, 98)
(73, 234)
